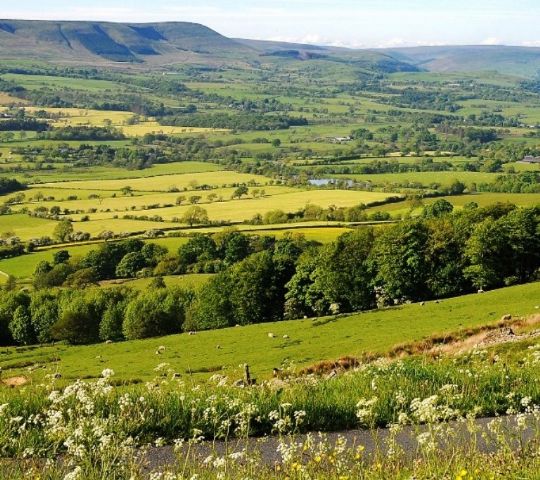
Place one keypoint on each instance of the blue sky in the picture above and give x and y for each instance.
(354, 23)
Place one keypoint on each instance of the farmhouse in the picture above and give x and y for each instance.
(530, 159)
(340, 139)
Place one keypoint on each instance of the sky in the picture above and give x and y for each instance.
(350, 23)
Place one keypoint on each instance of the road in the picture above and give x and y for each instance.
(372, 440)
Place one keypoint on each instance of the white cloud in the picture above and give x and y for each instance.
(531, 43)
(491, 41)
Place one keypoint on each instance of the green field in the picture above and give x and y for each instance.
(425, 179)
(194, 280)
(139, 200)
(309, 340)
(246, 208)
(166, 182)
(482, 199)
(26, 227)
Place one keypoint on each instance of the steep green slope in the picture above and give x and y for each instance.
(98, 42)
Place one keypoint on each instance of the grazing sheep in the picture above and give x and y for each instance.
(271, 335)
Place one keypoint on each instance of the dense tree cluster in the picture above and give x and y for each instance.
(426, 100)
(123, 259)
(83, 133)
(525, 182)
(23, 124)
(440, 254)
(10, 185)
(90, 315)
(239, 121)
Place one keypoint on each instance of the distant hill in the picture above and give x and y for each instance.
(519, 61)
(156, 45)
(105, 42)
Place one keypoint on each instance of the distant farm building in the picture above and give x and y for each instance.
(530, 159)
(340, 139)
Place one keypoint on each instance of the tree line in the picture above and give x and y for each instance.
(439, 254)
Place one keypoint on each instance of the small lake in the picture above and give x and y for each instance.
(322, 182)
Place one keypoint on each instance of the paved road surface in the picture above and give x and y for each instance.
(160, 457)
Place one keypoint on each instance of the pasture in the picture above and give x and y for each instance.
(309, 341)
(34, 82)
(458, 201)
(138, 201)
(426, 179)
(164, 183)
(246, 208)
(25, 227)
(190, 281)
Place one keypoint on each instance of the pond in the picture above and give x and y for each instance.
(322, 182)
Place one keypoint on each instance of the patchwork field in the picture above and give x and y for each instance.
(139, 200)
(245, 209)
(164, 183)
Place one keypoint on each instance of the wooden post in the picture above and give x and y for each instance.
(247, 374)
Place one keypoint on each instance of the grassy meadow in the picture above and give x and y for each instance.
(308, 341)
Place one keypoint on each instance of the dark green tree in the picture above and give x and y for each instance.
(21, 327)
(63, 230)
(130, 264)
(155, 313)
